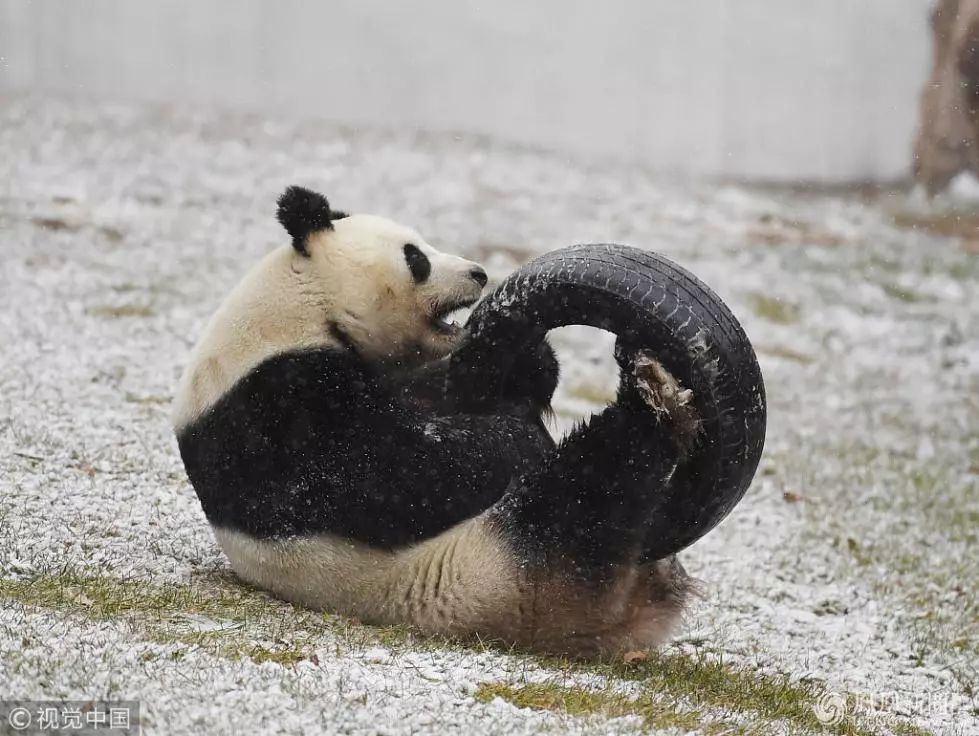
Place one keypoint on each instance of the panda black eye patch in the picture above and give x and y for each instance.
(418, 262)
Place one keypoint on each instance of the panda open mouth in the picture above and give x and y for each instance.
(441, 321)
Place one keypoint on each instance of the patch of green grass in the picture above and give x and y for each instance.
(215, 613)
(228, 646)
(152, 287)
(137, 399)
(120, 311)
(280, 656)
(902, 728)
(579, 702)
(710, 682)
(966, 269)
(858, 553)
(830, 608)
(102, 597)
(901, 293)
(774, 310)
(692, 692)
(574, 701)
(887, 262)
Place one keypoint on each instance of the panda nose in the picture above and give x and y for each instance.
(479, 276)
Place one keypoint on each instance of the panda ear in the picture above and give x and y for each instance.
(302, 212)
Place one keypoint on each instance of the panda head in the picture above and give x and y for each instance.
(358, 283)
(387, 292)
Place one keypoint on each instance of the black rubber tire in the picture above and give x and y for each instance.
(652, 303)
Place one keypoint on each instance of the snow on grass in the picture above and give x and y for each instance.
(848, 569)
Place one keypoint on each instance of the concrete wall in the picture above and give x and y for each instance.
(773, 89)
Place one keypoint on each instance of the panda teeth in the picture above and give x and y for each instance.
(460, 313)
(445, 323)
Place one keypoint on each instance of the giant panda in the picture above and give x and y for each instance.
(336, 474)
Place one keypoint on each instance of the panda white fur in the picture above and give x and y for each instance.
(334, 475)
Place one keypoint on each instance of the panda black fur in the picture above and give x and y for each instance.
(336, 474)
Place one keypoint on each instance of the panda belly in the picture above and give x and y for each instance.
(461, 581)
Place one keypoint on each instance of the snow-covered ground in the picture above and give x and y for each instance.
(851, 562)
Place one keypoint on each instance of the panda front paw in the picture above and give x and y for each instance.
(647, 384)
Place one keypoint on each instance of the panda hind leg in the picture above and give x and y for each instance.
(662, 588)
(588, 502)
(577, 522)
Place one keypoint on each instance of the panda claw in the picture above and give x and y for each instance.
(663, 394)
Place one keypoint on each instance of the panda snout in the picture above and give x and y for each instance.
(478, 275)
